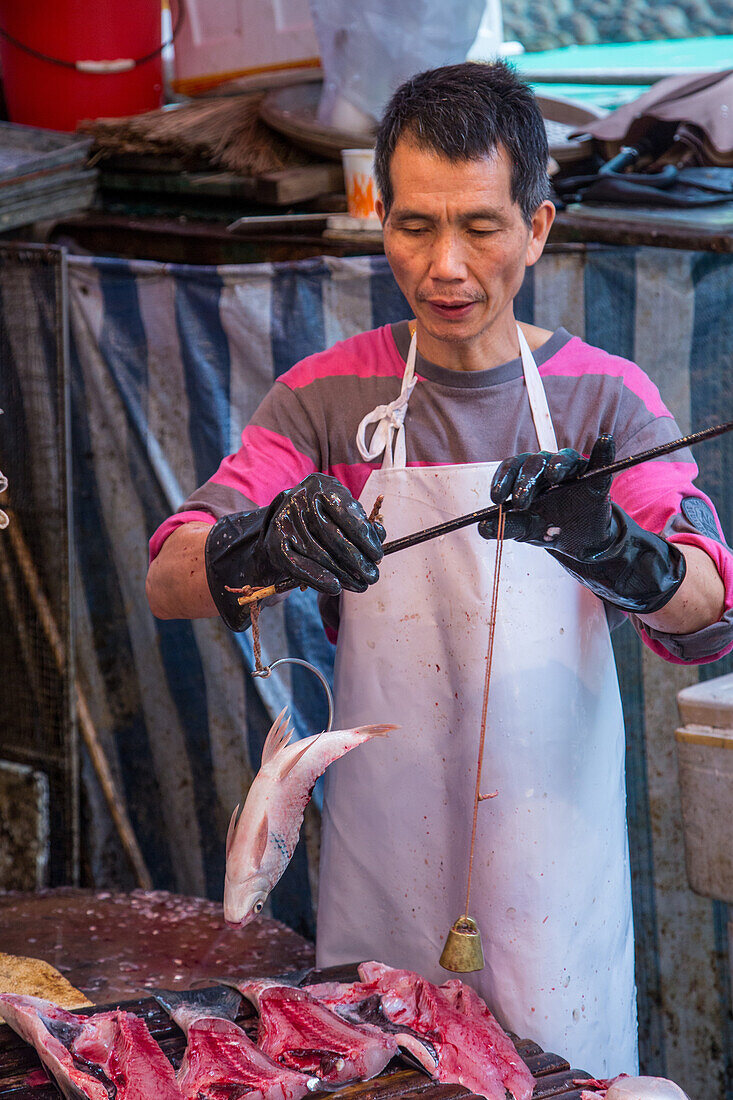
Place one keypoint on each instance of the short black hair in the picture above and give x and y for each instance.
(465, 112)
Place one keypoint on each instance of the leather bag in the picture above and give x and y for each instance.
(673, 146)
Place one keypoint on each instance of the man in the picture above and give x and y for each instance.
(429, 414)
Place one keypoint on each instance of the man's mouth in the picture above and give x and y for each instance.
(454, 309)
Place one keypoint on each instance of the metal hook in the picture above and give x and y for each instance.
(266, 671)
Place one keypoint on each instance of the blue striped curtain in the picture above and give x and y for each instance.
(168, 364)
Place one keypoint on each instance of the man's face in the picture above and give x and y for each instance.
(458, 245)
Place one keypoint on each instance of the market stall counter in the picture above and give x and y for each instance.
(112, 946)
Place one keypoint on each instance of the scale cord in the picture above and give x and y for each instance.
(485, 707)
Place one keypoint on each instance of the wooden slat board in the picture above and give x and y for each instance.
(21, 1070)
(282, 188)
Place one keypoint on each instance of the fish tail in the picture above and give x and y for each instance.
(221, 1002)
(294, 978)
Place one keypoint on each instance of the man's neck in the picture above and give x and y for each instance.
(488, 350)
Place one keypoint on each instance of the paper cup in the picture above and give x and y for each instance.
(361, 190)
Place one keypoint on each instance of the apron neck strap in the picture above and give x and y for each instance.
(388, 437)
(537, 398)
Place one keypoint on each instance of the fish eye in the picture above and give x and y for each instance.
(258, 906)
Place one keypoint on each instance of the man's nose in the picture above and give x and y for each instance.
(447, 260)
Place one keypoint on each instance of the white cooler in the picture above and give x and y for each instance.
(705, 761)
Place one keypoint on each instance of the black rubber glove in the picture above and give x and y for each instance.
(591, 537)
(315, 533)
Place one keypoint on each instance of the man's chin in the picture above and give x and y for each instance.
(462, 331)
(454, 337)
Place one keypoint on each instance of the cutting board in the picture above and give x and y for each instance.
(21, 1073)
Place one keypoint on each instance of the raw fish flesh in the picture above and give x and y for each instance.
(51, 1031)
(358, 1004)
(298, 1032)
(121, 1044)
(221, 1062)
(261, 842)
(473, 1050)
(107, 1056)
(633, 1088)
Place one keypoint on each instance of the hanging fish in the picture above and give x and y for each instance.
(261, 841)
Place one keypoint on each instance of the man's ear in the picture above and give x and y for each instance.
(542, 220)
(379, 209)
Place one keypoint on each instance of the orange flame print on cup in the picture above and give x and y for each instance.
(361, 190)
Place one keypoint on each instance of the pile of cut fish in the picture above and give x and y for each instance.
(312, 1038)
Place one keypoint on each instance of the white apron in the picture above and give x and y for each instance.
(551, 882)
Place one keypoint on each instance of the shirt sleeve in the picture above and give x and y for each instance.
(279, 448)
(662, 497)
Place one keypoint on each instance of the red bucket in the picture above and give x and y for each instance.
(41, 92)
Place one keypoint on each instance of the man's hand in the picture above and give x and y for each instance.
(577, 520)
(592, 538)
(318, 534)
(315, 533)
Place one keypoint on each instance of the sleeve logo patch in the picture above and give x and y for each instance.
(700, 515)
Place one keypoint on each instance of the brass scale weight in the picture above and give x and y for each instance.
(463, 952)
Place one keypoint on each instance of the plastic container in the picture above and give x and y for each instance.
(242, 38)
(361, 190)
(42, 93)
(705, 763)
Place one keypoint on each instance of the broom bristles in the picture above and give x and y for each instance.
(224, 133)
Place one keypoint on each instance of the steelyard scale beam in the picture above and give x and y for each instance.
(418, 537)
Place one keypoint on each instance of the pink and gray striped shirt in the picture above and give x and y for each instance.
(308, 422)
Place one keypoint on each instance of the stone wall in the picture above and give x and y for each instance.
(567, 22)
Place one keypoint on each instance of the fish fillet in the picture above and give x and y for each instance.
(299, 1032)
(473, 1050)
(121, 1044)
(221, 1062)
(51, 1031)
(107, 1056)
(357, 1003)
(632, 1088)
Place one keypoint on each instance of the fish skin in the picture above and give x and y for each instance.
(220, 1059)
(624, 1087)
(473, 1049)
(186, 1006)
(93, 1057)
(356, 1003)
(36, 1020)
(253, 988)
(121, 1044)
(262, 839)
(296, 1028)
